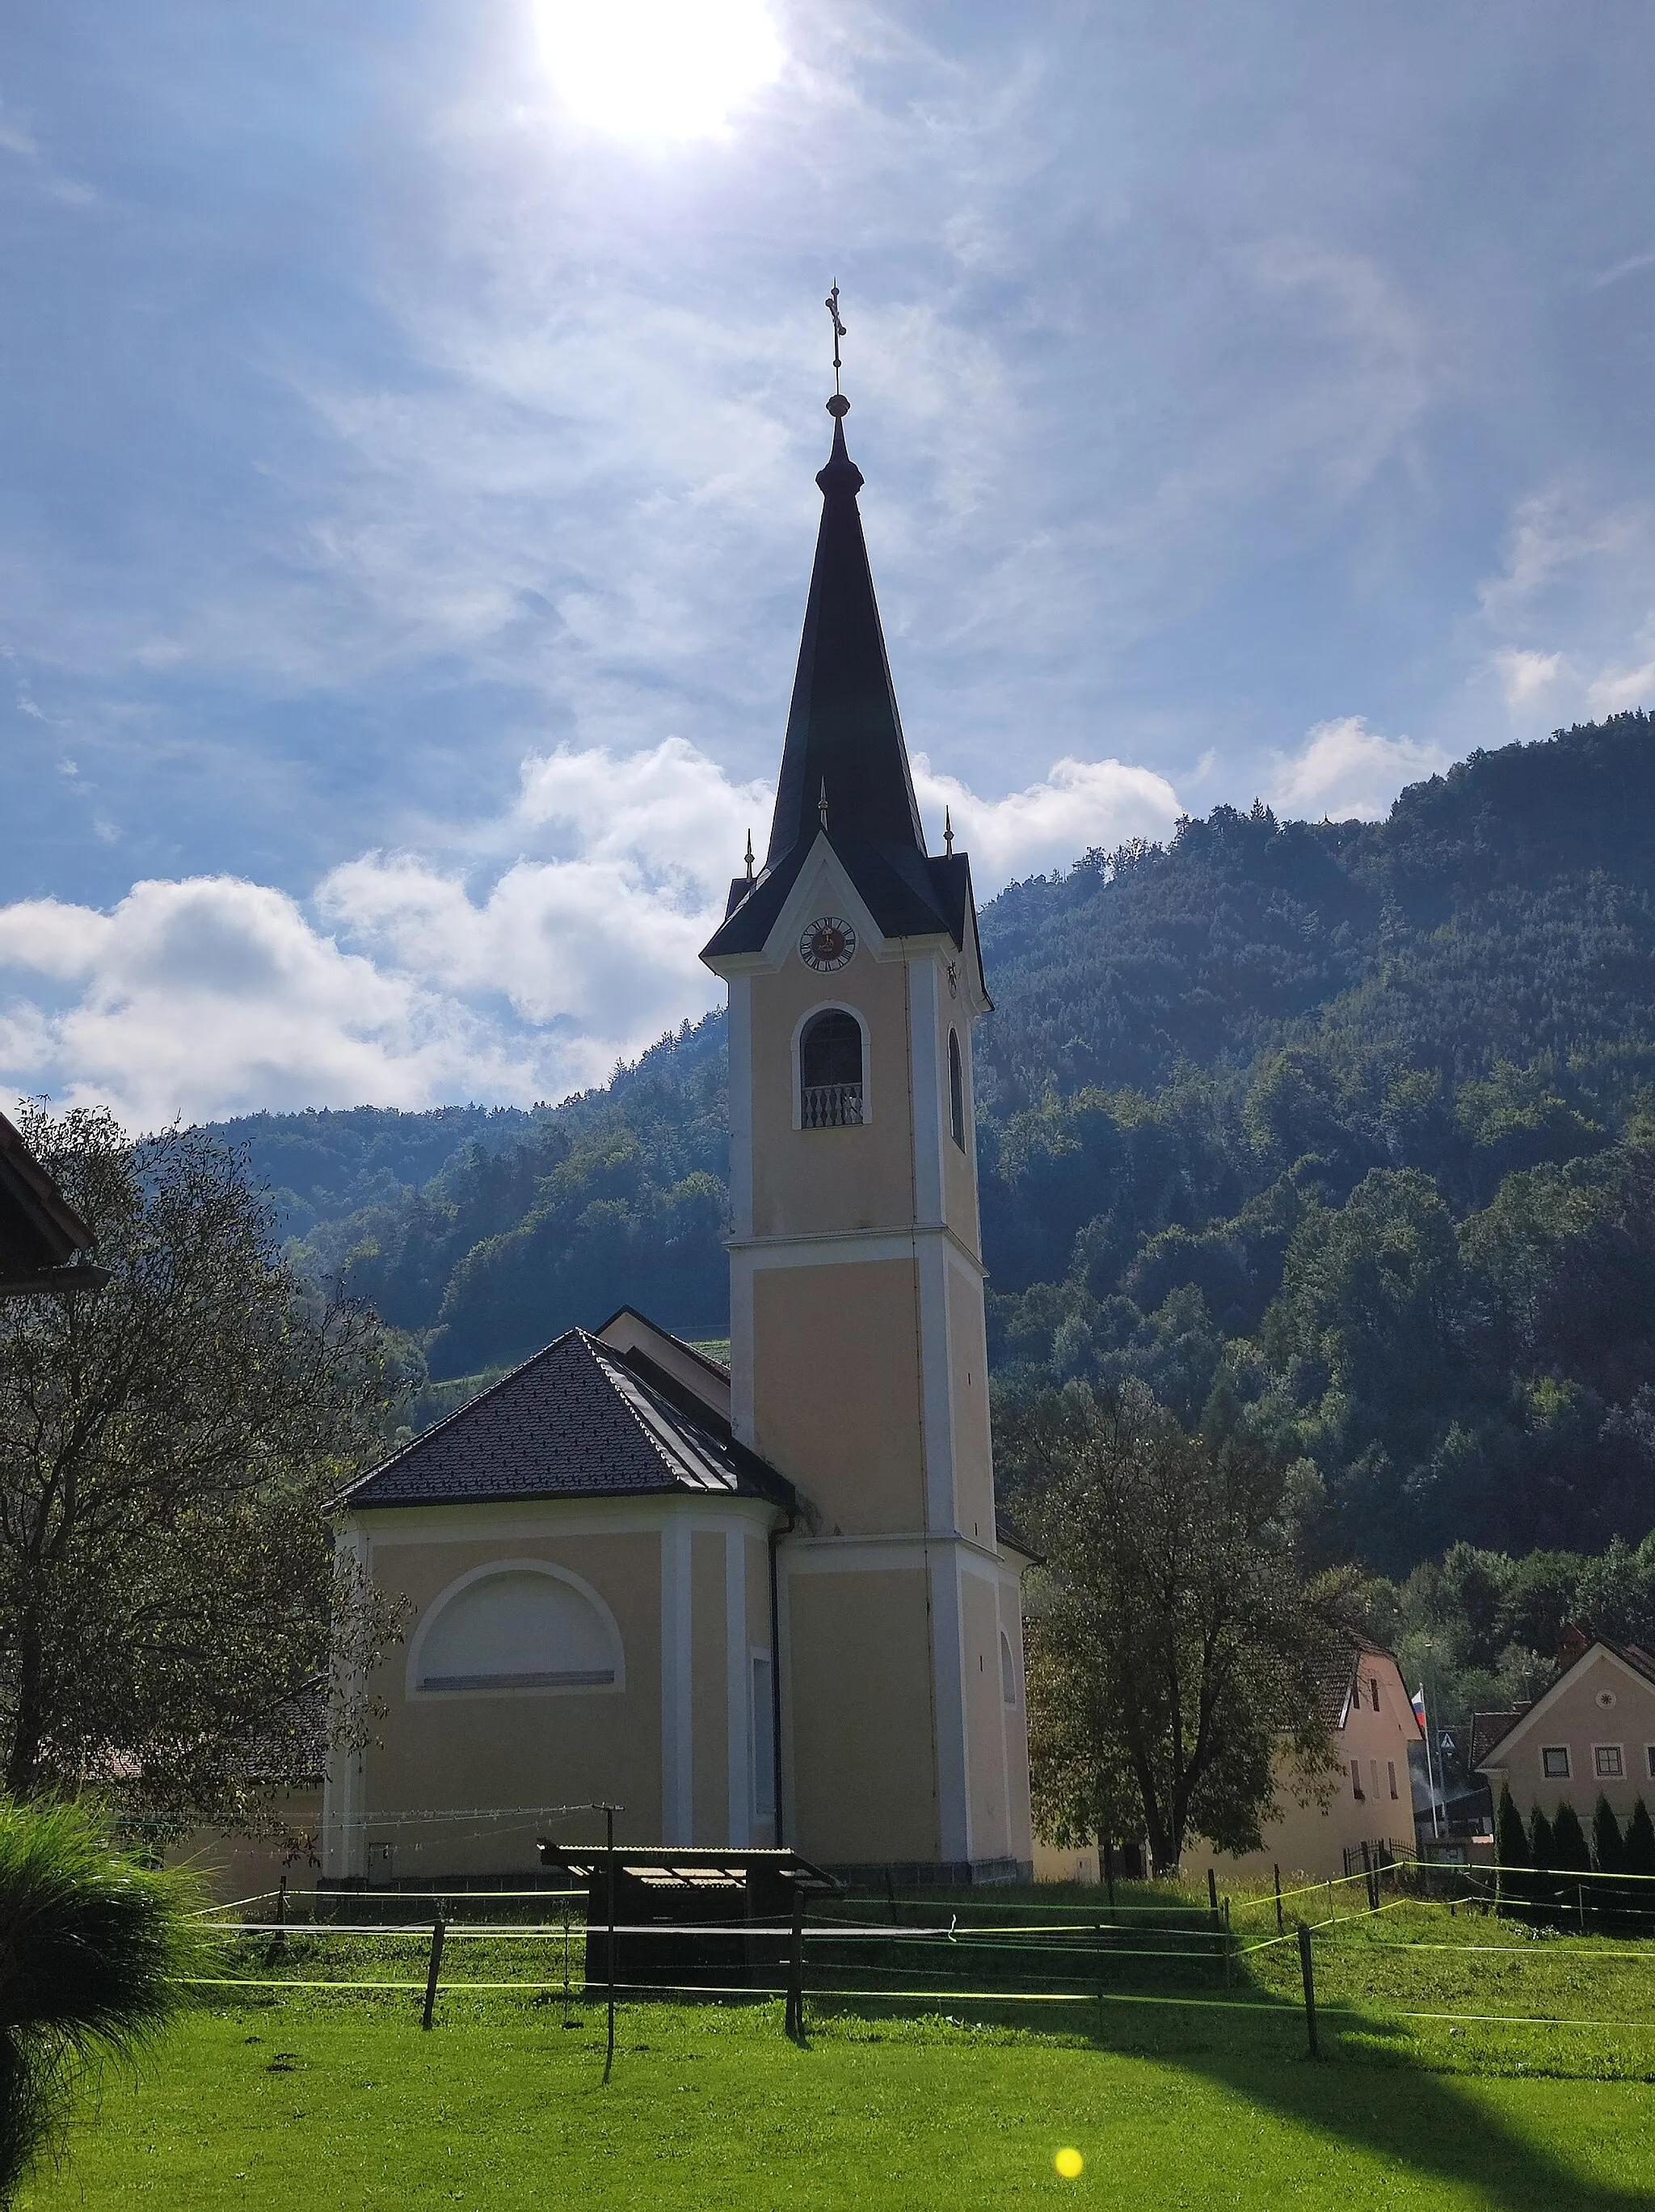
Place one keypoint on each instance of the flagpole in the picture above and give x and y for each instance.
(1430, 1774)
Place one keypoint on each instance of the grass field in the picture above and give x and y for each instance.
(318, 2098)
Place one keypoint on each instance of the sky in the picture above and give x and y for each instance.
(408, 427)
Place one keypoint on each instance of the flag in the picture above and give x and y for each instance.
(1417, 1701)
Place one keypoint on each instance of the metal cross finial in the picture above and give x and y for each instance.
(832, 305)
(750, 856)
(821, 803)
(947, 831)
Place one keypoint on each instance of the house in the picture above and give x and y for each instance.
(42, 1238)
(769, 1603)
(1590, 1733)
(1372, 1720)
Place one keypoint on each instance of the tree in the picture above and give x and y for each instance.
(1638, 1852)
(1511, 1849)
(1175, 1647)
(94, 1945)
(1607, 1846)
(168, 1599)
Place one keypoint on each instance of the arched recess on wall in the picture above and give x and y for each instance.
(831, 1065)
(516, 1627)
(956, 1090)
(1008, 1671)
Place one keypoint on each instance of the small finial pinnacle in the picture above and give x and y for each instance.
(821, 803)
(947, 831)
(750, 856)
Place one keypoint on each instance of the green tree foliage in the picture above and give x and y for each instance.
(1638, 1849)
(93, 1946)
(1608, 1850)
(1570, 1853)
(167, 1593)
(1511, 1843)
(1174, 1648)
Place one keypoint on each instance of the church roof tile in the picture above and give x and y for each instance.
(577, 1420)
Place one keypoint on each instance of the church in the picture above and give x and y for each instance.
(766, 1603)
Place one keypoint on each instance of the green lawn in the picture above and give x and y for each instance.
(300, 2098)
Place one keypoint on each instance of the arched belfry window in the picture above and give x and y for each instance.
(957, 1091)
(832, 1078)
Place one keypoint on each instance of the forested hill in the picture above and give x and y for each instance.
(1344, 1129)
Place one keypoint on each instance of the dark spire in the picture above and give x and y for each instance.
(843, 728)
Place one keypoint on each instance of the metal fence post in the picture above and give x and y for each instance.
(1277, 1871)
(794, 2020)
(432, 1970)
(1306, 1967)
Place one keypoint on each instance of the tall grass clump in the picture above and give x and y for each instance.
(90, 1945)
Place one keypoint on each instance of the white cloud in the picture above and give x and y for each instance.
(1617, 689)
(1346, 769)
(1524, 675)
(1077, 805)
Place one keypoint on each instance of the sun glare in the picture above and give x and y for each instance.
(658, 69)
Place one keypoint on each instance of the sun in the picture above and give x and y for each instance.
(657, 69)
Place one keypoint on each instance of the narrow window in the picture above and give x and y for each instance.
(1391, 1768)
(1356, 1780)
(1606, 1756)
(1008, 1671)
(1649, 1760)
(1374, 1687)
(763, 1738)
(1373, 1774)
(957, 1091)
(1555, 1762)
(830, 1071)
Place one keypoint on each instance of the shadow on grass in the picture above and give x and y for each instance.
(1370, 2089)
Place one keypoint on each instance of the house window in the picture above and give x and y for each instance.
(1374, 1687)
(1607, 1761)
(1390, 1769)
(1555, 1762)
(1649, 1760)
(831, 1078)
(763, 1739)
(1356, 1781)
(956, 1093)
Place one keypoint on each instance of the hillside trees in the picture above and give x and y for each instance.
(166, 1589)
(1173, 1644)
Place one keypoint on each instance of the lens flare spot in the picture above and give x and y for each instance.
(1070, 2164)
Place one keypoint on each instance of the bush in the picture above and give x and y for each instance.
(90, 1946)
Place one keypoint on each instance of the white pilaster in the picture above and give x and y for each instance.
(738, 1670)
(345, 1789)
(677, 1685)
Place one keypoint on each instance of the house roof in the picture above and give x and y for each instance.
(40, 1233)
(1490, 1730)
(579, 1419)
(1337, 1673)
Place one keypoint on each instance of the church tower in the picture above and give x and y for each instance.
(858, 1356)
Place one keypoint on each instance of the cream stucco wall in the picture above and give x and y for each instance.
(836, 1389)
(1571, 1716)
(687, 1584)
(859, 1767)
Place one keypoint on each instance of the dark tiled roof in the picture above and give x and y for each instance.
(576, 1420)
(909, 893)
(1488, 1730)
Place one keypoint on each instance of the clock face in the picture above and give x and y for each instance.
(827, 943)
